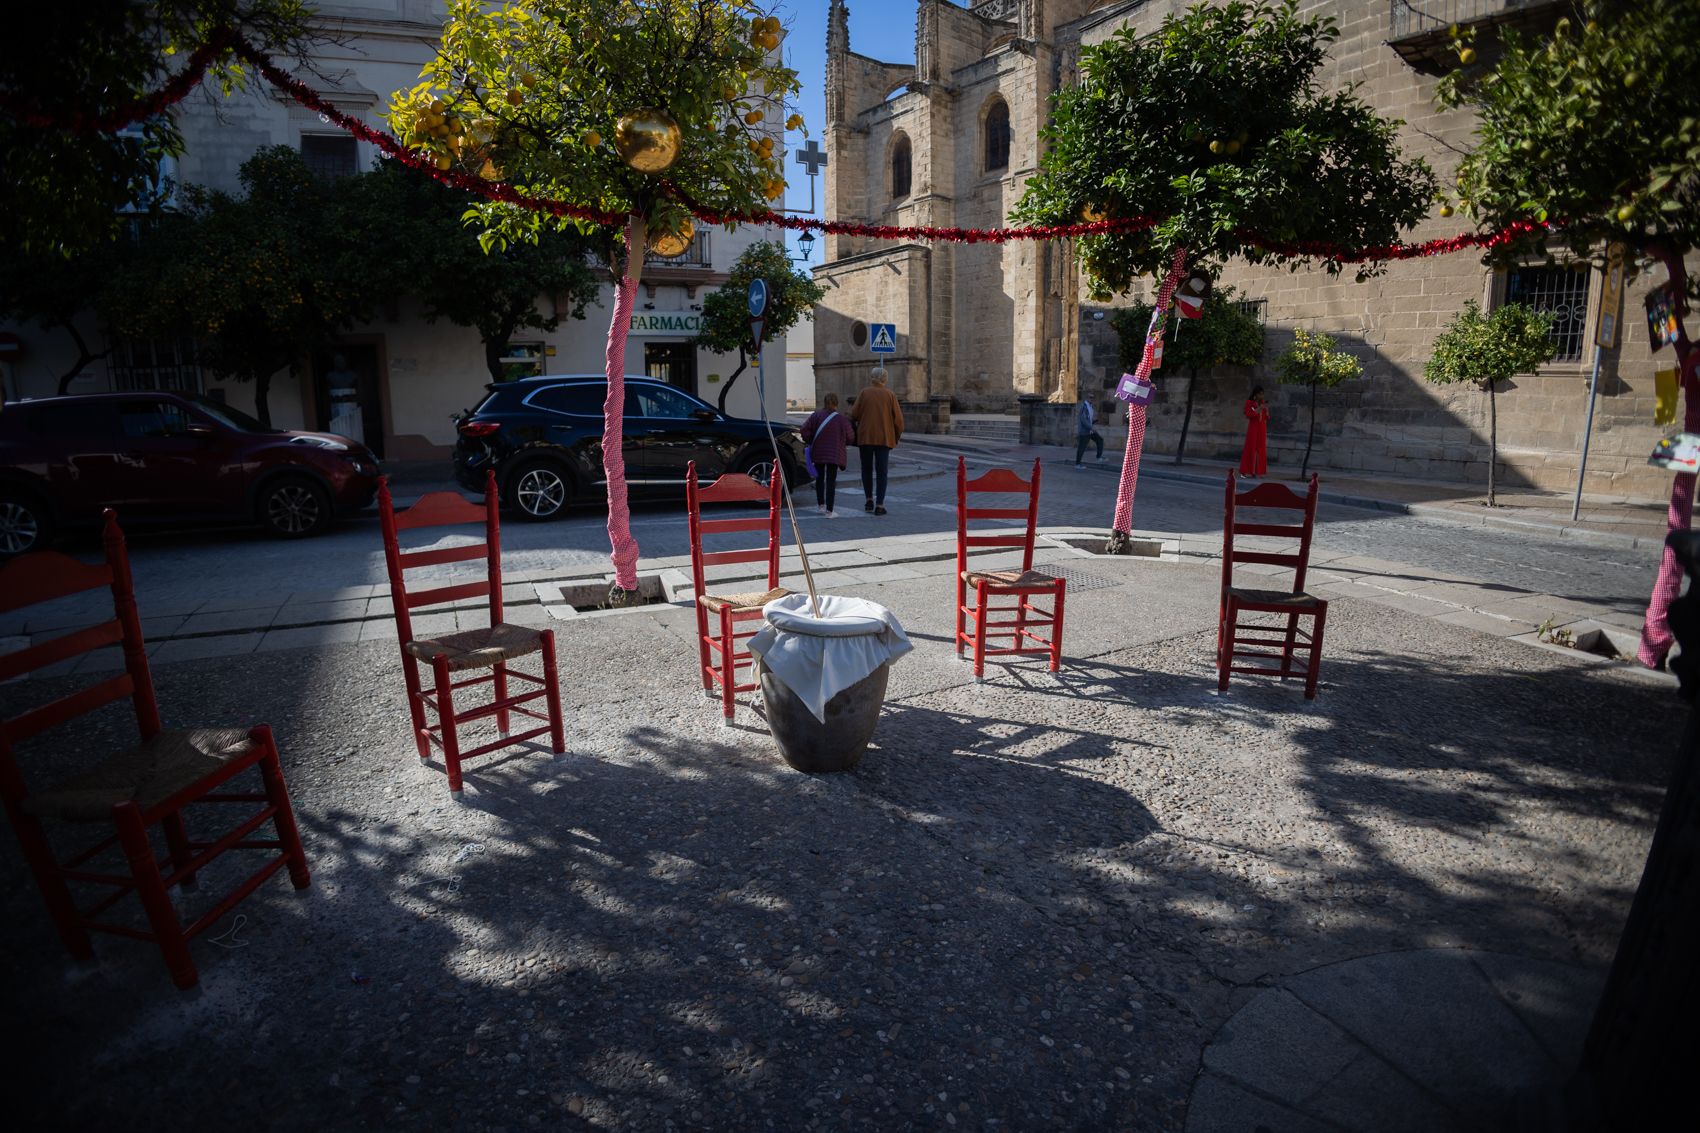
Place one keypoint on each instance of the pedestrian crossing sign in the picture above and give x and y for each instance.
(882, 338)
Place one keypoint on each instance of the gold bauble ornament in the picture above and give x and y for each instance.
(1092, 214)
(674, 243)
(648, 140)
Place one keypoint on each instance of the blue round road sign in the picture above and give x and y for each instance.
(758, 298)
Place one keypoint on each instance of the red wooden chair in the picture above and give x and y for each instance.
(720, 648)
(138, 788)
(975, 624)
(472, 650)
(1292, 605)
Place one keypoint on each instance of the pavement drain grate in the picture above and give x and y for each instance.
(1079, 580)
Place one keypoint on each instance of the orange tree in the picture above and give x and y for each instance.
(74, 76)
(726, 317)
(1598, 128)
(628, 108)
(258, 282)
(1215, 126)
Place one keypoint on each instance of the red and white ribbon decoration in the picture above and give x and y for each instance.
(1136, 411)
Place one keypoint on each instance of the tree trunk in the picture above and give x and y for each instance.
(623, 548)
(743, 364)
(84, 357)
(493, 357)
(1493, 441)
(1122, 520)
(1186, 419)
(1310, 437)
(262, 406)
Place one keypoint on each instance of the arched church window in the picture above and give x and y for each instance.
(997, 135)
(900, 167)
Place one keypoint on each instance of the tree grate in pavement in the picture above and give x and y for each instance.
(1080, 579)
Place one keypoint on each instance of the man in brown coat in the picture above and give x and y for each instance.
(879, 426)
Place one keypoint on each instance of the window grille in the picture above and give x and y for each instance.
(150, 363)
(1563, 290)
(1256, 308)
(330, 156)
(997, 136)
(900, 168)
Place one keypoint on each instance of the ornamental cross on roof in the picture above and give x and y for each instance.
(812, 156)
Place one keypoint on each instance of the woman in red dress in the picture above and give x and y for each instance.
(1254, 459)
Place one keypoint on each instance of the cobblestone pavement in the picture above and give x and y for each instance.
(1032, 907)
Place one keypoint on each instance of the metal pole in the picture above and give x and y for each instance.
(1587, 436)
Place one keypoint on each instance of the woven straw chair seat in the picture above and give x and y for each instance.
(1273, 597)
(146, 775)
(752, 601)
(1017, 578)
(478, 648)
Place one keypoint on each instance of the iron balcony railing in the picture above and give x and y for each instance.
(1419, 17)
(696, 256)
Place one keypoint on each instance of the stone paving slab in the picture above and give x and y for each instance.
(1032, 906)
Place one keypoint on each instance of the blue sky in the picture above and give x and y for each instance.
(884, 29)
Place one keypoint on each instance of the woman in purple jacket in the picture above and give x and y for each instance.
(828, 434)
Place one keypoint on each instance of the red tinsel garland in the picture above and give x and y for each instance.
(136, 109)
(223, 38)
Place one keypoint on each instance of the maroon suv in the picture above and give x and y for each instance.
(168, 457)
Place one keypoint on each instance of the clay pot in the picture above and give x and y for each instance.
(835, 744)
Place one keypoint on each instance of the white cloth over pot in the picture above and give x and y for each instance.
(817, 658)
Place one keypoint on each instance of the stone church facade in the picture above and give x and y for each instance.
(951, 140)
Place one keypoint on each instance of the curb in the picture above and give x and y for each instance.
(1575, 532)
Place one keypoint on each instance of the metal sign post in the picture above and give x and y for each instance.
(1605, 335)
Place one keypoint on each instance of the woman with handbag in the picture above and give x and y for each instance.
(827, 433)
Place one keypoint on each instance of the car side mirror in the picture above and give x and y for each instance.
(705, 415)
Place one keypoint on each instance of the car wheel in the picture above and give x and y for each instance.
(23, 524)
(293, 508)
(758, 467)
(540, 491)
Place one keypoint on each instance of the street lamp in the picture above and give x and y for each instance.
(806, 245)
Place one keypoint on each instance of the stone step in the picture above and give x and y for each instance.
(1004, 430)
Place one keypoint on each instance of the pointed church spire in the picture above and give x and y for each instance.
(837, 47)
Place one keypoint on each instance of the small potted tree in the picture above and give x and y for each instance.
(1488, 350)
(1312, 360)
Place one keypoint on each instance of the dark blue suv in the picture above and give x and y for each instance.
(543, 436)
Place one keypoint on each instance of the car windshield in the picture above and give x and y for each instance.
(225, 415)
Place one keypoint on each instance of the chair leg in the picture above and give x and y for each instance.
(980, 619)
(499, 683)
(150, 887)
(1225, 644)
(552, 694)
(1021, 601)
(728, 664)
(961, 614)
(177, 841)
(705, 664)
(415, 707)
(1315, 650)
(447, 722)
(1287, 649)
(1056, 628)
(61, 905)
(277, 793)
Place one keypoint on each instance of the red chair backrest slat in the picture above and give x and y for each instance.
(59, 649)
(441, 509)
(44, 576)
(732, 487)
(999, 481)
(1271, 496)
